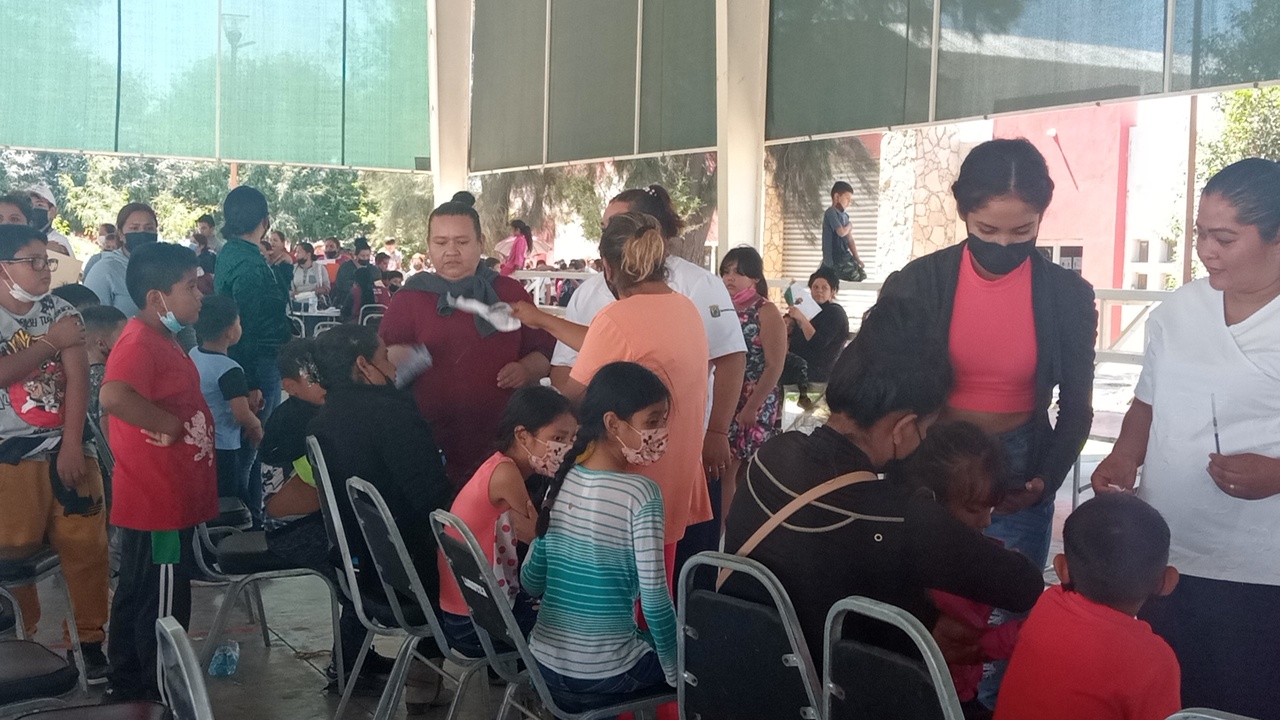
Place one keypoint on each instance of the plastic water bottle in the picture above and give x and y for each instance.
(225, 659)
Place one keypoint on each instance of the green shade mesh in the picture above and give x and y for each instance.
(593, 79)
(678, 75)
(268, 86)
(508, 49)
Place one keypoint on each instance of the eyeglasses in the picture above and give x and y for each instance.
(38, 264)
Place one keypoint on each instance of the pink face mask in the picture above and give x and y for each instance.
(653, 445)
(744, 295)
(548, 463)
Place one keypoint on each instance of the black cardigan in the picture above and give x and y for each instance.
(905, 543)
(1066, 327)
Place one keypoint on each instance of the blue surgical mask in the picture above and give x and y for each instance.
(169, 320)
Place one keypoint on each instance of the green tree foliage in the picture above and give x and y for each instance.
(1251, 129)
(803, 173)
(1245, 49)
(403, 203)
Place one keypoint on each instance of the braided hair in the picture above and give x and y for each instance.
(621, 388)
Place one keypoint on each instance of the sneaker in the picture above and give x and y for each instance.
(117, 694)
(96, 667)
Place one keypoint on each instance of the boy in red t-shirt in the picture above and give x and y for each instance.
(1082, 652)
(162, 435)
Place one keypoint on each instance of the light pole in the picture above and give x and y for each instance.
(233, 30)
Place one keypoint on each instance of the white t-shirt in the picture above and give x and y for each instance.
(1193, 359)
(58, 238)
(708, 293)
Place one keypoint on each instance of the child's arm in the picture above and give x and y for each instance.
(507, 490)
(997, 642)
(67, 332)
(655, 598)
(245, 418)
(119, 399)
(71, 467)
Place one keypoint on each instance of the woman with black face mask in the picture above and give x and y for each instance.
(1016, 326)
(106, 275)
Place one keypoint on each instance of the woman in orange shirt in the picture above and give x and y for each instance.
(662, 330)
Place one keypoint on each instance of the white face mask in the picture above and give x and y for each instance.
(17, 293)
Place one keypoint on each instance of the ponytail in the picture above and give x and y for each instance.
(633, 247)
(654, 201)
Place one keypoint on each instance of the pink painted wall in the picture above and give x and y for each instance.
(1089, 162)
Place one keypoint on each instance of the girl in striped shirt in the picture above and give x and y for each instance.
(599, 547)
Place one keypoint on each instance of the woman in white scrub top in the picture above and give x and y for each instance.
(1215, 343)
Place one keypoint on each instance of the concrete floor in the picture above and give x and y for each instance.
(285, 681)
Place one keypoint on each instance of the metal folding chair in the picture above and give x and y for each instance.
(181, 682)
(371, 309)
(32, 677)
(400, 580)
(242, 561)
(20, 567)
(495, 623)
(324, 327)
(741, 659)
(860, 680)
(375, 623)
(1205, 714)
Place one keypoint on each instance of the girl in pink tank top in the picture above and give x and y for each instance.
(536, 431)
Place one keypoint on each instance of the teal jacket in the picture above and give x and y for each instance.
(262, 293)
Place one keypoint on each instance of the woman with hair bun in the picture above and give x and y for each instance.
(1016, 327)
(658, 328)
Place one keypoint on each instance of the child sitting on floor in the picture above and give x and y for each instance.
(958, 464)
(1082, 652)
(600, 546)
(534, 435)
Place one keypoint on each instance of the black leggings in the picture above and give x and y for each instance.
(1227, 638)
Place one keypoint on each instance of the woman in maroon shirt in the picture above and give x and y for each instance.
(475, 368)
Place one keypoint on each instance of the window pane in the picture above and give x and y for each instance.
(282, 81)
(678, 75)
(168, 91)
(1001, 56)
(593, 79)
(59, 87)
(388, 112)
(838, 65)
(508, 55)
(1225, 42)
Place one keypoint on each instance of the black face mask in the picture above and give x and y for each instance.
(1000, 259)
(331, 254)
(135, 240)
(40, 219)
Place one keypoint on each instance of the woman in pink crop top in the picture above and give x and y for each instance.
(1017, 327)
(536, 430)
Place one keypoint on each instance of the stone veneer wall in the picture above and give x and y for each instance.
(917, 213)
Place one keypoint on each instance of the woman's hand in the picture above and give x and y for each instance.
(529, 314)
(514, 375)
(1022, 498)
(1247, 477)
(749, 414)
(1116, 473)
(715, 454)
(71, 467)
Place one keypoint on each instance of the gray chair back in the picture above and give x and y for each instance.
(741, 660)
(861, 680)
(1205, 714)
(180, 678)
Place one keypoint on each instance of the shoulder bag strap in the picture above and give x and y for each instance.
(791, 508)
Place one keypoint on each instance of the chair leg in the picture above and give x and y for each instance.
(395, 683)
(508, 701)
(220, 621)
(355, 673)
(74, 634)
(336, 610)
(255, 593)
(19, 625)
(463, 681)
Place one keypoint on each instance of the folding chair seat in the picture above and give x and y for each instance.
(30, 671)
(24, 566)
(232, 513)
(742, 660)
(866, 682)
(119, 711)
(1204, 714)
(496, 627)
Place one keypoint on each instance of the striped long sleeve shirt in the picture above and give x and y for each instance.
(602, 550)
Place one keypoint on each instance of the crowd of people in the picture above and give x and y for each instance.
(592, 453)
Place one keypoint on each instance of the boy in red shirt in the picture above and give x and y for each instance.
(162, 435)
(1082, 652)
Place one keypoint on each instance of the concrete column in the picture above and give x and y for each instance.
(450, 52)
(742, 51)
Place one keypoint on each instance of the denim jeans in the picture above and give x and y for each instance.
(461, 632)
(647, 673)
(263, 373)
(1028, 531)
